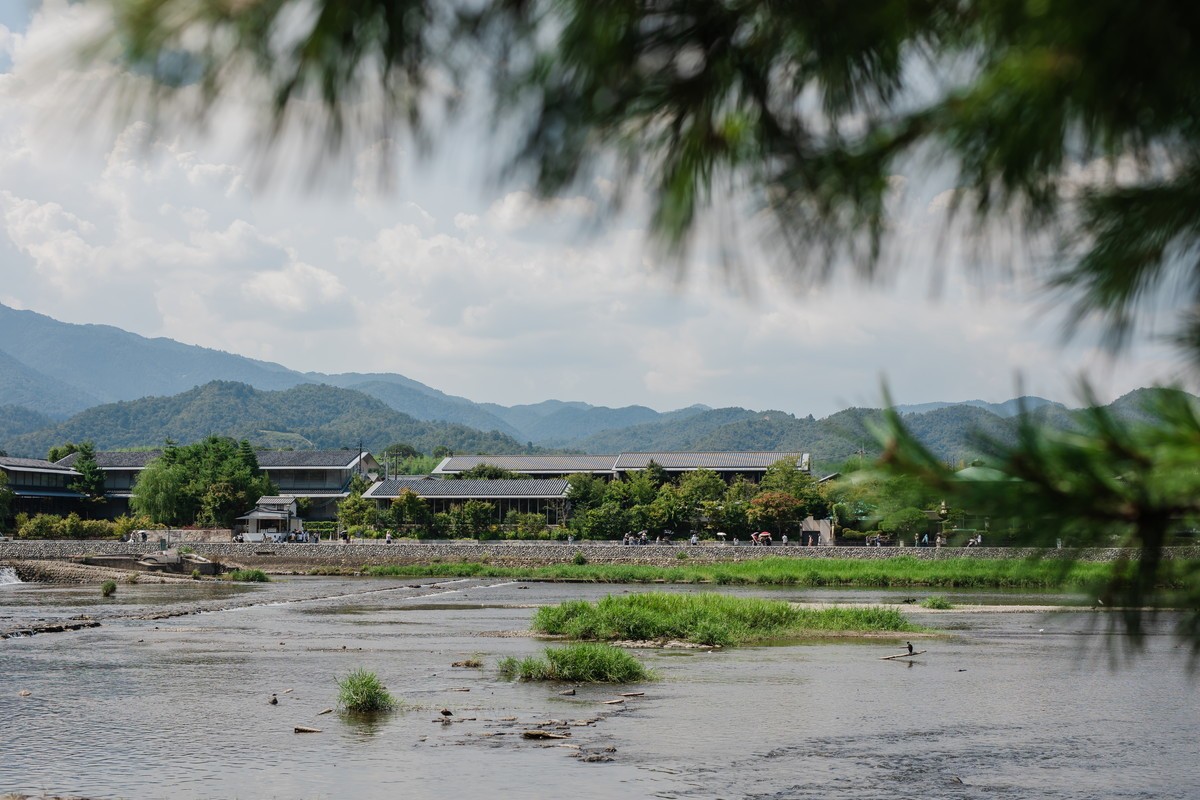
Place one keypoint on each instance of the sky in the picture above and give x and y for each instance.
(468, 283)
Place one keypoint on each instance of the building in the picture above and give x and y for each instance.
(544, 496)
(745, 464)
(322, 477)
(319, 477)
(39, 486)
(272, 518)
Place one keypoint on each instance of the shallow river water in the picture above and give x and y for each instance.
(1005, 705)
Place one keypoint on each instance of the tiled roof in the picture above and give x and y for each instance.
(467, 490)
(35, 465)
(714, 461)
(274, 501)
(116, 460)
(311, 459)
(530, 464)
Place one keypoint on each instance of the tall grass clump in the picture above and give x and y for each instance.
(937, 603)
(360, 692)
(249, 575)
(709, 619)
(577, 663)
(108, 588)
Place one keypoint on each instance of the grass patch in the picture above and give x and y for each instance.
(360, 692)
(108, 588)
(709, 619)
(578, 663)
(248, 575)
(895, 572)
(937, 602)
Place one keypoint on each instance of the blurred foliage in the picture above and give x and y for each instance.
(1108, 484)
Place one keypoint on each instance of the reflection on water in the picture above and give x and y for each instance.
(1006, 707)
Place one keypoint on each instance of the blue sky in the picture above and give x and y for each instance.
(468, 284)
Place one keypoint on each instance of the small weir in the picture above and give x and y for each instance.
(8, 575)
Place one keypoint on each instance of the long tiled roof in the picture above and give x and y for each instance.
(466, 490)
(116, 460)
(529, 464)
(275, 459)
(35, 465)
(714, 461)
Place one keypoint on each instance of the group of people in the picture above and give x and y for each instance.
(641, 537)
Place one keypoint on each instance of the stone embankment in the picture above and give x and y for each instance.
(283, 558)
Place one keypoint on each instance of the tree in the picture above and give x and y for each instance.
(488, 472)
(904, 522)
(356, 511)
(208, 483)
(6, 496)
(701, 485)
(585, 491)
(90, 482)
(409, 508)
(61, 451)
(775, 510)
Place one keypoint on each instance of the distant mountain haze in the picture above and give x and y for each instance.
(63, 382)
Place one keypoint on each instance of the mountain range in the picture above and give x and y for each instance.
(64, 382)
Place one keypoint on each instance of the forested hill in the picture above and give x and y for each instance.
(954, 433)
(305, 416)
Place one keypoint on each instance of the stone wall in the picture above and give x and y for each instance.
(297, 557)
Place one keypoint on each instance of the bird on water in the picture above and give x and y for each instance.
(910, 648)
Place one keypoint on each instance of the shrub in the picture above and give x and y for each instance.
(580, 559)
(704, 618)
(936, 602)
(196, 574)
(681, 555)
(108, 588)
(250, 575)
(360, 692)
(578, 663)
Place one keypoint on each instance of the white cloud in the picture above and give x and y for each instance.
(499, 297)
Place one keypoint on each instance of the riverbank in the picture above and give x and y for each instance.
(303, 558)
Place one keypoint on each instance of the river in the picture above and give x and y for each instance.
(1017, 704)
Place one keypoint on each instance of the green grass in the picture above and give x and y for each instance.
(578, 663)
(360, 692)
(249, 575)
(937, 602)
(708, 619)
(108, 588)
(898, 572)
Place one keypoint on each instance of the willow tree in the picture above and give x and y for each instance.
(1075, 123)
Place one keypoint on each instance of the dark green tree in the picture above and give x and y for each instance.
(206, 483)
(90, 482)
(585, 491)
(6, 497)
(489, 472)
(61, 451)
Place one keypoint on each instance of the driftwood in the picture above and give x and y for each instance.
(326, 711)
(903, 655)
(613, 702)
(545, 735)
(303, 729)
(633, 694)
